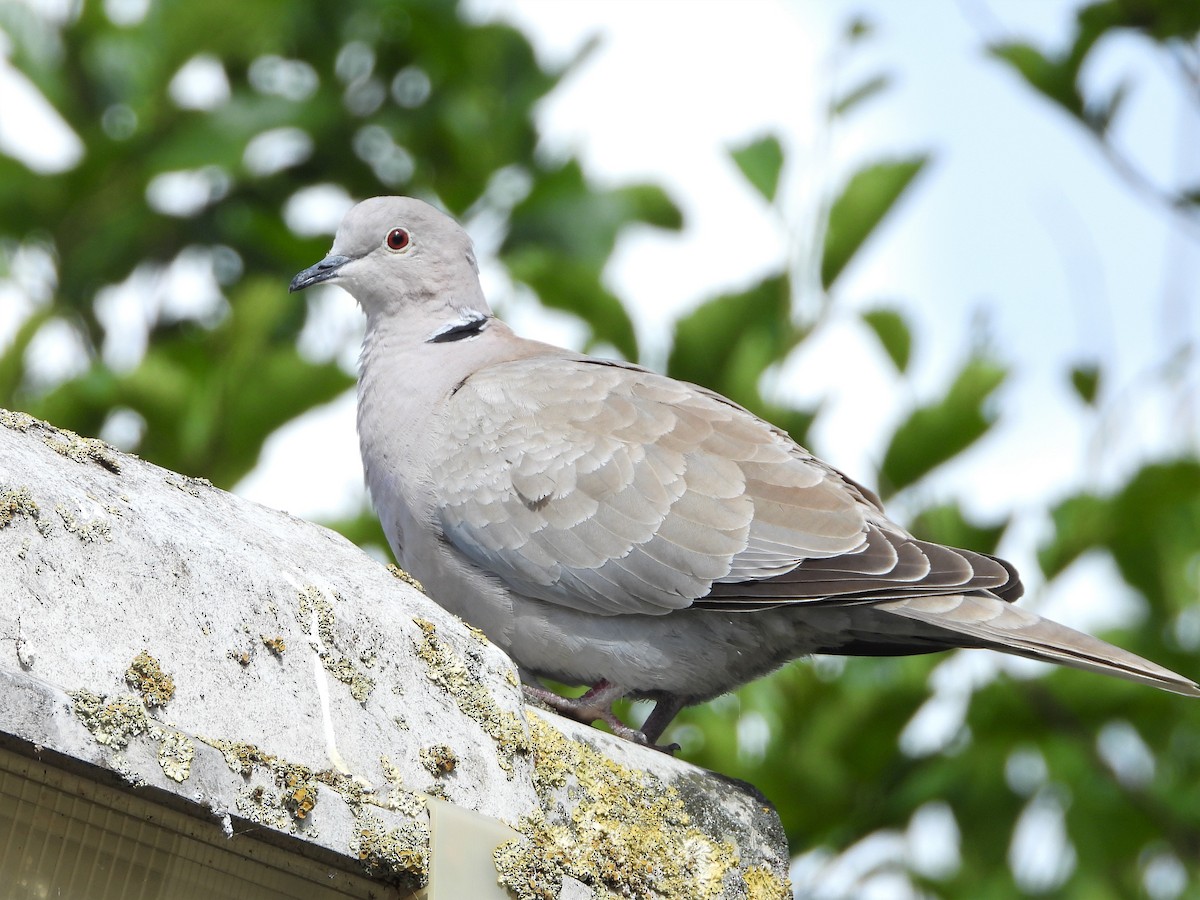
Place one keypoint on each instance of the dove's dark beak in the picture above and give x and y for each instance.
(322, 271)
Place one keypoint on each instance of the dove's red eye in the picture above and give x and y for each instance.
(398, 239)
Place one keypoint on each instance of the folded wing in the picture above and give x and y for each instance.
(613, 490)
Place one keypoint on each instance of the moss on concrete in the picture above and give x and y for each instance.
(275, 644)
(82, 449)
(623, 832)
(405, 577)
(449, 671)
(438, 760)
(87, 532)
(313, 603)
(399, 856)
(146, 676)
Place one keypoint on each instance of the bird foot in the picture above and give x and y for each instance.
(595, 706)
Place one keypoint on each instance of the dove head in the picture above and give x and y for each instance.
(397, 255)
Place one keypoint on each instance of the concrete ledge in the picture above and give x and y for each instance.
(261, 672)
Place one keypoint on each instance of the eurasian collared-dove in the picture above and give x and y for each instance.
(609, 526)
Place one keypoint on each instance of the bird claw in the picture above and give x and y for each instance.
(595, 706)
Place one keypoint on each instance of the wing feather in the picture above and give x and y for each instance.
(613, 490)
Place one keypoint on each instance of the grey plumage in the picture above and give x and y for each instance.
(610, 526)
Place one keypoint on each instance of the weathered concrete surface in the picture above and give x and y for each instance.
(264, 670)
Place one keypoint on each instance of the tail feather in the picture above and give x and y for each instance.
(997, 625)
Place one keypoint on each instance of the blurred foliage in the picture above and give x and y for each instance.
(378, 97)
(1058, 75)
(385, 97)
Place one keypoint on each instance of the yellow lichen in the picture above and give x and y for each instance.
(311, 604)
(82, 449)
(438, 760)
(85, 531)
(299, 791)
(405, 577)
(762, 884)
(147, 677)
(112, 724)
(275, 644)
(175, 753)
(17, 502)
(446, 668)
(239, 756)
(400, 798)
(622, 832)
(399, 856)
(264, 807)
(17, 421)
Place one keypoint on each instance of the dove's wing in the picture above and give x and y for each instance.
(610, 489)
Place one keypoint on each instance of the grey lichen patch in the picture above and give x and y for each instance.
(447, 669)
(622, 832)
(399, 856)
(405, 577)
(82, 449)
(187, 484)
(275, 644)
(87, 532)
(145, 675)
(111, 723)
(17, 502)
(399, 798)
(264, 807)
(340, 666)
(175, 752)
(114, 723)
(438, 760)
(297, 783)
(239, 756)
(17, 421)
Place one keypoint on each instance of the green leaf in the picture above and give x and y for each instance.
(1053, 78)
(891, 329)
(1155, 533)
(860, 207)
(561, 236)
(1086, 381)
(1081, 523)
(863, 92)
(761, 161)
(947, 524)
(726, 343)
(12, 361)
(1151, 526)
(933, 434)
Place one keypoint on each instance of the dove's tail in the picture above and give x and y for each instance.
(997, 625)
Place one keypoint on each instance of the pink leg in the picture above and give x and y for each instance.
(596, 705)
